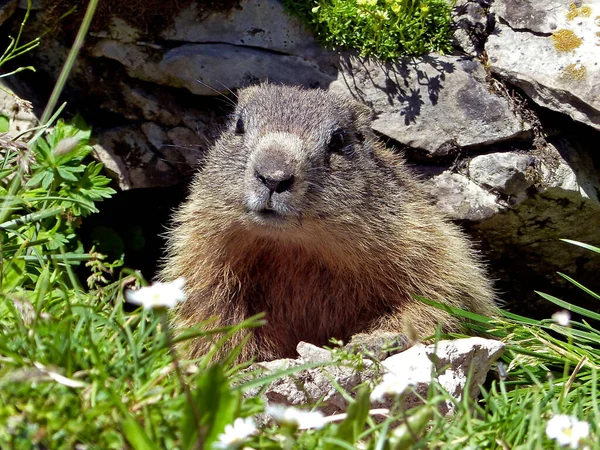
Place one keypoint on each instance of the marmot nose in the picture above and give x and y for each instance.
(277, 181)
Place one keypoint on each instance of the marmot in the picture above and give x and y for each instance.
(299, 212)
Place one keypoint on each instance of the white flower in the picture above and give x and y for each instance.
(562, 318)
(391, 384)
(296, 417)
(235, 434)
(567, 430)
(159, 295)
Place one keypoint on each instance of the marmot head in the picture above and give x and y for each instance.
(291, 157)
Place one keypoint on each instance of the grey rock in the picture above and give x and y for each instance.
(437, 104)
(208, 69)
(155, 135)
(260, 24)
(19, 111)
(504, 172)
(470, 22)
(526, 238)
(453, 363)
(559, 71)
(539, 16)
(569, 167)
(462, 199)
(312, 353)
(119, 30)
(189, 144)
(149, 156)
(129, 159)
(7, 9)
(311, 385)
(149, 105)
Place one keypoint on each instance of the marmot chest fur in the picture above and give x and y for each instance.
(299, 212)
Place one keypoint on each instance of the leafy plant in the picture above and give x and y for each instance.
(382, 28)
(45, 192)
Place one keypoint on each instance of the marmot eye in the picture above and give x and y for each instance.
(337, 142)
(239, 126)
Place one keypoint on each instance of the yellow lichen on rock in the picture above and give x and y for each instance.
(581, 11)
(574, 72)
(565, 40)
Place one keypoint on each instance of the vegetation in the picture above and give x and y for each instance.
(79, 370)
(385, 29)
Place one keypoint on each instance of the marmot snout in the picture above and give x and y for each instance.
(274, 177)
(300, 213)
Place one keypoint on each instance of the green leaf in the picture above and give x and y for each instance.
(404, 436)
(353, 425)
(43, 152)
(135, 434)
(37, 179)
(55, 240)
(215, 406)
(12, 274)
(455, 311)
(581, 244)
(66, 175)
(580, 286)
(29, 218)
(569, 307)
(4, 123)
(48, 179)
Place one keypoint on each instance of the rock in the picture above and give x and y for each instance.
(155, 135)
(436, 104)
(312, 353)
(504, 172)
(569, 167)
(189, 144)
(312, 385)
(128, 158)
(261, 24)
(531, 15)
(471, 22)
(163, 111)
(7, 9)
(452, 362)
(207, 69)
(525, 238)
(19, 111)
(462, 199)
(550, 51)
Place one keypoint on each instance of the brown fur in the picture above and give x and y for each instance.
(351, 240)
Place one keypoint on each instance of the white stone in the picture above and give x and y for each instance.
(504, 172)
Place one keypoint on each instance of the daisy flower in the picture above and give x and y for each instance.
(567, 430)
(287, 415)
(158, 295)
(236, 434)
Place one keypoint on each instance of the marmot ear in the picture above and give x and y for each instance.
(363, 116)
(244, 95)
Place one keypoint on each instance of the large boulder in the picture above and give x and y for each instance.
(550, 50)
(437, 104)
